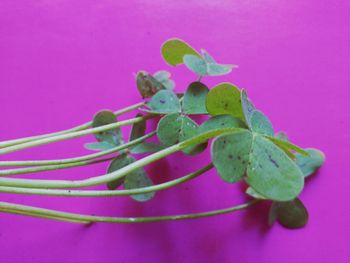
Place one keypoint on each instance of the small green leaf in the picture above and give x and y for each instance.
(119, 162)
(309, 164)
(196, 64)
(218, 69)
(147, 147)
(272, 173)
(163, 77)
(173, 51)
(221, 121)
(288, 145)
(194, 98)
(165, 101)
(139, 179)
(99, 146)
(247, 107)
(208, 58)
(250, 191)
(147, 84)
(291, 214)
(230, 155)
(224, 99)
(260, 123)
(114, 136)
(175, 128)
(138, 129)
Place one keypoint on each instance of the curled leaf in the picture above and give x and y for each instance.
(147, 84)
(247, 107)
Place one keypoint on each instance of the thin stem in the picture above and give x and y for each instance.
(84, 126)
(84, 193)
(32, 183)
(73, 134)
(44, 168)
(80, 218)
(81, 158)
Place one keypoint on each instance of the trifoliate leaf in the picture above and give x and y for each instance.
(309, 164)
(114, 136)
(291, 214)
(194, 98)
(196, 64)
(147, 147)
(260, 123)
(224, 99)
(147, 84)
(173, 51)
(165, 101)
(230, 155)
(119, 162)
(272, 173)
(247, 107)
(175, 128)
(219, 122)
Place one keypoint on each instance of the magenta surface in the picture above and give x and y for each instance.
(61, 61)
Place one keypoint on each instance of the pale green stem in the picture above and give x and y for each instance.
(84, 126)
(44, 168)
(78, 159)
(73, 134)
(143, 190)
(32, 183)
(80, 218)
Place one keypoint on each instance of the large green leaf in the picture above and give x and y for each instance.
(175, 128)
(194, 98)
(165, 101)
(247, 107)
(196, 64)
(221, 121)
(272, 173)
(173, 51)
(260, 123)
(230, 155)
(309, 164)
(224, 99)
(111, 137)
(291, 214)
(119, 162)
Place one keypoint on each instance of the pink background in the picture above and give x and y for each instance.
(62, 60)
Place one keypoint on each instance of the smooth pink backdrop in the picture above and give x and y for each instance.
(62, 60)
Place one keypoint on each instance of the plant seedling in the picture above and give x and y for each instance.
(244, 147)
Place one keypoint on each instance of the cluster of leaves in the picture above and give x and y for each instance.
(273, 167)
